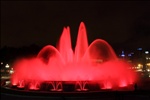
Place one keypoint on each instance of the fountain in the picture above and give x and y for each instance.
(96, 63)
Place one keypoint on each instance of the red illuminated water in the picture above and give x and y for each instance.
(96, 62)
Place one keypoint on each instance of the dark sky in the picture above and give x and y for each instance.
(120, 23)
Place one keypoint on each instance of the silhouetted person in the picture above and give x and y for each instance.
(135, 86)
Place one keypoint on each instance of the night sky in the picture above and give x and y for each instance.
(120, 23)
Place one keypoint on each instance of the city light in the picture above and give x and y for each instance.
(11, 71)
(7, 66)
(129, 55)
(123, 55)
(1, 63)
(147, 58)
(139, 66)
(139, 49)
(146, 52)
(148, 64)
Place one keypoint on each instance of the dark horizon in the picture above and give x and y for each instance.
(120, 23)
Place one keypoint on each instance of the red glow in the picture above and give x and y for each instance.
(34, 85)
(21, 84)
(96, 62)
(107, 85)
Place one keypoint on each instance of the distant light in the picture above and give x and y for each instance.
(146, 52)
(144, 70)
(11, 71)
(148, 70)
(122, 55)
(7, 66)
(129, 55)
(139, 49)
(1, 63)
(7, 82)
(148, 64)
(140, 65)
(139, 70)
(132, 53)
(122, 51)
